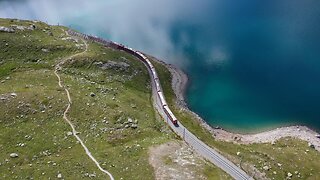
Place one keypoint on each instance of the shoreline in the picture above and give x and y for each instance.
(179, 84)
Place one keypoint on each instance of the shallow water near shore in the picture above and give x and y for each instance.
(252, 65)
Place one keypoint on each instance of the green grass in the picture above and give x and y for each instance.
(293, 154)
(34, 117)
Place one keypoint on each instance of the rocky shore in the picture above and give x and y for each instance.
(179, 83)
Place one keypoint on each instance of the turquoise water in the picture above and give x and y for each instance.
(252, 64)
(264, 70)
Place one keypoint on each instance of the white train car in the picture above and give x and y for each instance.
(162, 99)
(149, 64)
(157, 82)
(154, 74)
(170, 115)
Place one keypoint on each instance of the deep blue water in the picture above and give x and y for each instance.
(252, 64)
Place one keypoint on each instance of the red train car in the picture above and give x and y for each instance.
(170, 115)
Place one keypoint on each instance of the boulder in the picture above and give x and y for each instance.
(14, 155)
(134, 126)
(45, 50)
(59, 176)
(266, 168)
(311, 145)
(6, 29)
(69, 133)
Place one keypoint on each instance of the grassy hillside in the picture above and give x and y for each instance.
(111, 108)
(285, 156)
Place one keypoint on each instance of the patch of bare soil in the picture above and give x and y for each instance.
(175, 160)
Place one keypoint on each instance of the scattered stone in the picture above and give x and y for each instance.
(14, 155)
(6, 29)
(13, 95)
(92, 94)
(266, 168)
(69, 133)
(134, 126)
(238, 153)
(45, 50)
(274, 172)
(311, 145)
(59, 176)
(113, 65)
(296, 172)
(289, 175)
(130, 120)
(279, 164)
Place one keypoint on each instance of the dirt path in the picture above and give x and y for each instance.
(65, 114)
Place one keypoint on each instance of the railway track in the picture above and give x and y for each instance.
(159, 103)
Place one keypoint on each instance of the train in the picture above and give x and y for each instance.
(143, 58)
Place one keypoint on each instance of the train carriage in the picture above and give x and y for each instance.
(158, 87)
(170, 115)
(162, 99)
(154, 74)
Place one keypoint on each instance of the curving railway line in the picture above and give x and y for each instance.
(162, 107)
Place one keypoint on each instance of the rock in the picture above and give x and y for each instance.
(296, 172)
(134, 126)
(238, 153)
(59, 176)
(13, 95)
(289, 175)
(14, 155)
(45, 50)
(126, 126)
(311, 145)
(92, 94)
(92, 175)
(266, 168)
(6, 29)
(130, 120)
(69, 133)
(279, 164)
(274, 172)
(317, 136)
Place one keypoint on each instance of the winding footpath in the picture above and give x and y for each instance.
(65, 117)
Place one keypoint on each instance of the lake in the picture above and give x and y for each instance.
(252, 64)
